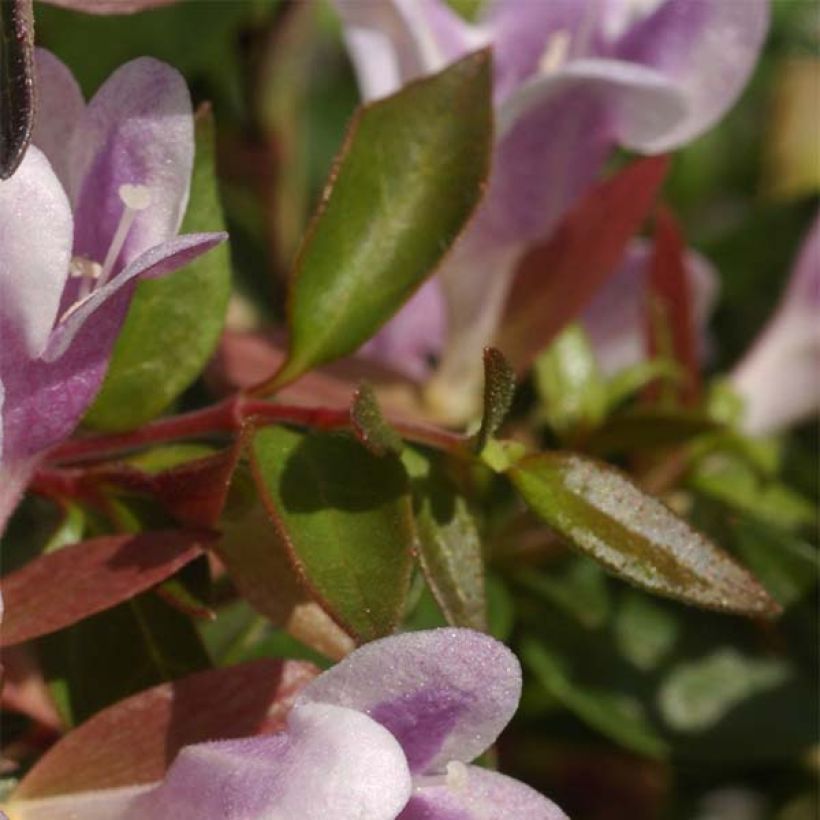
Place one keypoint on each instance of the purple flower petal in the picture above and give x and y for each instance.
(45, 398)
(779, 378)
(109, 303)
(35, 240)
(707, 48)
(137, 130)
(445, 693)
(472, 793)
(331, 762)
(415, 336)
(60, 108)
(522, 30)
(616, 318)
(394, 41)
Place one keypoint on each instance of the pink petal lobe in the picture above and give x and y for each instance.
(473, 793)
(331, 762)
(138, 129)
(394, 41)
(707, 49)
(35, 251)
(60, 107)
(615, 317)
(779, 378)
(445, 694)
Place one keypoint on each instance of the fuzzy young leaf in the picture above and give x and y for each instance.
(370, 426)
(449, 545)
(173, 323)
(16, 83)
(499, 389)
(346, 518)
(604, 515)
(408, 177)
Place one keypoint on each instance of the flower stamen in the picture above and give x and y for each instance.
(136, 198)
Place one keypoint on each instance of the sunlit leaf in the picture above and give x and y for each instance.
(570, 383)
(346, 519)
(408, 177)
(601, 512)
(697, 695)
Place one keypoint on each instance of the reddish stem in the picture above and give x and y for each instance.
(230, 416)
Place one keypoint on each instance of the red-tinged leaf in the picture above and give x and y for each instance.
(671, 331)
(135, 740)
(195, 492)
(60, 588)
(557, 279)
(25, 690)
(245, 359)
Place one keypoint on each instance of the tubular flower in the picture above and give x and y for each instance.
(95, 206)
(779, 378)
(573, 80)
(387, 733)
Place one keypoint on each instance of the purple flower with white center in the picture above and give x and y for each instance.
(387, 733)
(95, 205)
(573, 80)
(779, 378)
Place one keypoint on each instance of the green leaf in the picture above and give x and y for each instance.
(499, 389)
(370, 426)
(647, 428)
(116, 653)
(449, 545)
(787, 565)
(602, 513)
(570, 384)
(175, 322)
(614, 714)
(697, 695)
(734, 483)
(644, 632)
(628, 381)
(578, 588)
(16, 83)
(346, 518)
(263, 573)
(408, 177)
